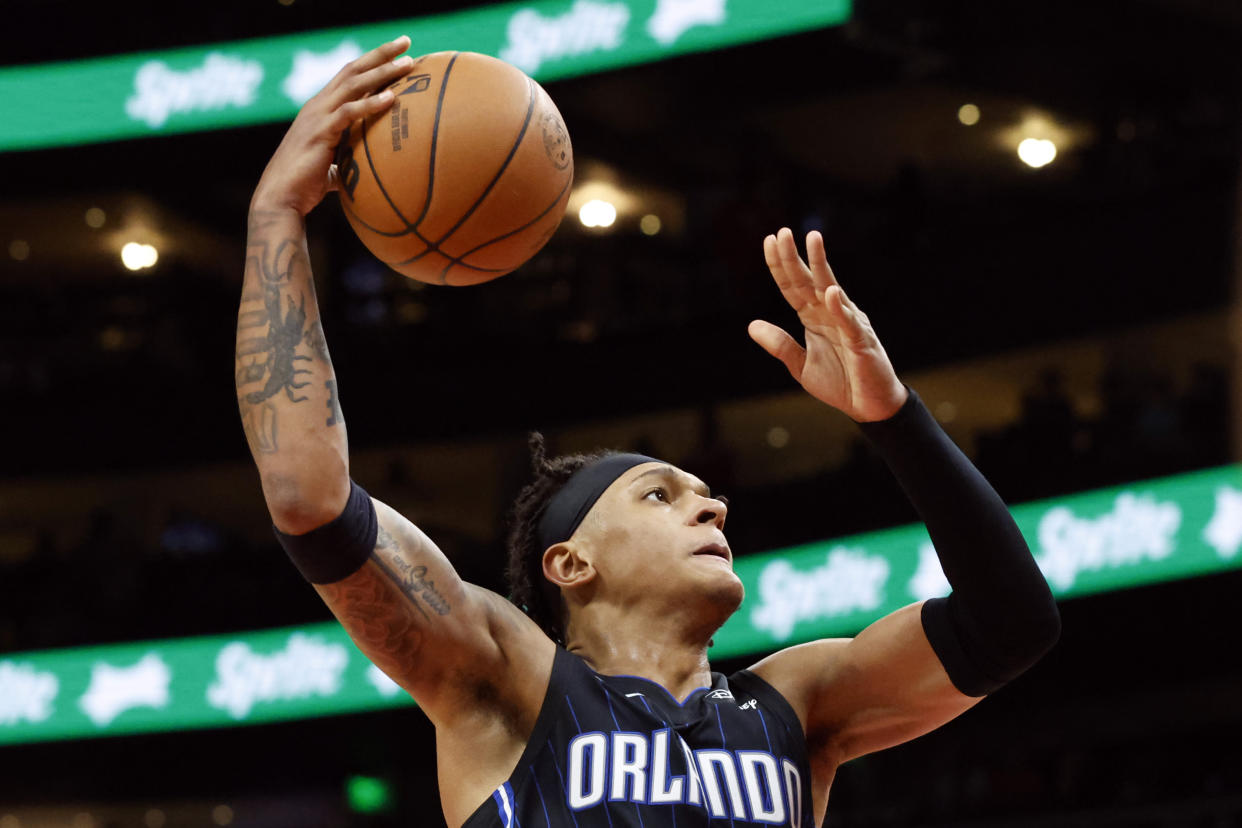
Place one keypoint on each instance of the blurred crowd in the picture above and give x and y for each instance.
(1147, 426)
(116, 580)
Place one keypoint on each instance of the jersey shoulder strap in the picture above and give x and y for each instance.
(772, 700)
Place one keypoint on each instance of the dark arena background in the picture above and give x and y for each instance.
(1074, 325)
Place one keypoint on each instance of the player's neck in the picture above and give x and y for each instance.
(619, 643)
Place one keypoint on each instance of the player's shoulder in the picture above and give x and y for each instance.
(797, 672)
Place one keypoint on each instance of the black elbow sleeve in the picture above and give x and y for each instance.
(981, 657)
(337, 549)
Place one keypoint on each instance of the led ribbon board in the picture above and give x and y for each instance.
(1161, 530)
(258, 81)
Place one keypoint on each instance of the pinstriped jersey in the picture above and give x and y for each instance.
(621, 752)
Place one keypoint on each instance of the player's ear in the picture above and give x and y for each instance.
(566, 565)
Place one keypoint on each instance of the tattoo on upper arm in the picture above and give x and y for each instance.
(385, 630)
(410, 578)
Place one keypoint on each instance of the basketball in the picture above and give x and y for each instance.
(464, 178)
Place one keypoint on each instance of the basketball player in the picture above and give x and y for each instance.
(599, 708)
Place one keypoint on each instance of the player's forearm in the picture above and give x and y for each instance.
(1001, 616)
(286, 388)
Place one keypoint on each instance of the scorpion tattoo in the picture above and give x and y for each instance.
(284, 334)
(286, 329)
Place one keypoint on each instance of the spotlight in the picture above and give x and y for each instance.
(1037, 152)
(137, 256)
(597, 213)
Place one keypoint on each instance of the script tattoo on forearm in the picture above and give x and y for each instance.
(411, 578)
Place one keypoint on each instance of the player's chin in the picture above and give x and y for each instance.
(724, 589)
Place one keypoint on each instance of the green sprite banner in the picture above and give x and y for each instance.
(257, 81)
(197, 682)
(1098, 541)
(1109, 539)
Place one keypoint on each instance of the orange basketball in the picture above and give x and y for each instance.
(464, 178)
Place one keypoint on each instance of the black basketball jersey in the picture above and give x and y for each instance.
(620, 751)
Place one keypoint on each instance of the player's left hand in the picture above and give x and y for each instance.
(301, 173)
(843, 363)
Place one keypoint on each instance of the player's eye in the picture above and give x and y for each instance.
(658, 493)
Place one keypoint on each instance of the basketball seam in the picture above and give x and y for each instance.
(431, 169)
(517, 144)
(456, 261)
(435, 135)
(354, 213)
(409, 228)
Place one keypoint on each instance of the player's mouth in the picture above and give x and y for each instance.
(716, 550)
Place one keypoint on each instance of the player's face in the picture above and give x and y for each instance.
(658, 532)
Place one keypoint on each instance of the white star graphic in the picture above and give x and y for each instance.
(1224, 531)
(381, 682)
(929, 580)
(113, 690)
(311, 71)
(673, 17)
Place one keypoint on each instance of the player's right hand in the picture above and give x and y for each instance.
(843, 363)
(300, 173)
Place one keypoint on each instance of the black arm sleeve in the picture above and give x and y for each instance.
(1001, 617)
(338, 549)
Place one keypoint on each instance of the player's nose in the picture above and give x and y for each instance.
(712, 510)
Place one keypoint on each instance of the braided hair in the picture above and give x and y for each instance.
(528, 588)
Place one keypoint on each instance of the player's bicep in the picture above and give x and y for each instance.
(879, 689)
(409, 611)
(887, 686)
(893, 687)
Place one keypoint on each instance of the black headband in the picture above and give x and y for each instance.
(572, 501)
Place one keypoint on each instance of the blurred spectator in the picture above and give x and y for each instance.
(711, 459)
(1205, 414)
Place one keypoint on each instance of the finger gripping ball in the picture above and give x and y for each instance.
(464, 178)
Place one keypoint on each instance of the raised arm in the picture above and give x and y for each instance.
(926, 663)
(286, 388)
(400, 599)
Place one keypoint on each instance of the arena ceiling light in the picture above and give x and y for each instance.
(597, 213)
(1037, 152)
(137, 256)
(603, 200)
(1039, 137)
